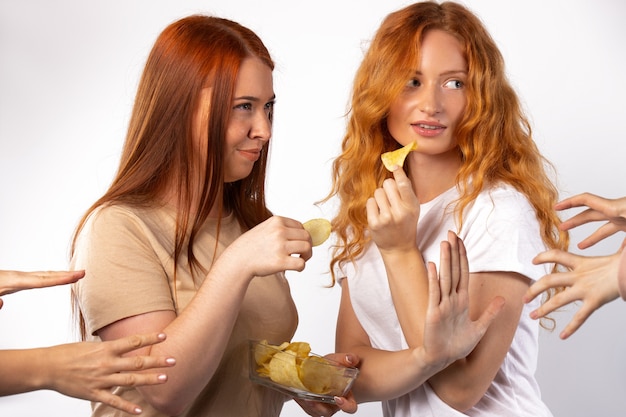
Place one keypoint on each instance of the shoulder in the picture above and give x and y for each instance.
(118, 223)
(501, 202)
(125, 217)
(502, 211)
(503, 196)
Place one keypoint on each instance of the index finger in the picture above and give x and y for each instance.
(584, 199)
(134, 342)
(405, 186)
(14, 281)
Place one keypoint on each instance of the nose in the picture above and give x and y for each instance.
(261, 128)
(430, 100)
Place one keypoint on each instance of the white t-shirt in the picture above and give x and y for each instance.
(501, 233)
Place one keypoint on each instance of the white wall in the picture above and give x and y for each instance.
(68, 72)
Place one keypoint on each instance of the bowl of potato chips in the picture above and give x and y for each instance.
(294, 370)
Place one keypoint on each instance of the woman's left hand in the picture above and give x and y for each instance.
(346, 404)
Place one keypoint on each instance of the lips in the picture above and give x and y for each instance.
(251, 154)
(428, 129)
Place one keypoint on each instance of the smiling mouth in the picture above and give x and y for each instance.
(428, 127)
(251, 154)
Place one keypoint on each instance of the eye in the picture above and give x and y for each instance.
(269, 110)
(413, 82)
(454, 84)
(244, 106)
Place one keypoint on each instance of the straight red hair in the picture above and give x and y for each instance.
(190, 54)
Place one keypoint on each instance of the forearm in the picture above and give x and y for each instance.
(408, 282)
(386, 375)
(197, 339)
(462, 385)
(22, 371)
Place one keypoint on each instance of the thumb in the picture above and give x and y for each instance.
(493, 309)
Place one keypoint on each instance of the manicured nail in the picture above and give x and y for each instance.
(138, 410)
(170, 361)
(162, 377)
(349, 359)
(339, 401)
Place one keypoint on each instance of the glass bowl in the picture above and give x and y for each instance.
(292, 369)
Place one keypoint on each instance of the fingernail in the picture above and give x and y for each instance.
(162, 377)
(339, 400)
(138, 410)
(533, 315)
(350, 359)
(170, 361)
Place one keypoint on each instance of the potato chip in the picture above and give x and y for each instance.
(293, 365)
(397, 157)
(284, 370)
(319, 229)
(300, 349)
(314, 374)
(263, 352)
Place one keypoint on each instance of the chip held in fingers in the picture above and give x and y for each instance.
(396, 158)
(319, 229)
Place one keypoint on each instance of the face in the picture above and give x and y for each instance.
(433, 100)
(250, 125)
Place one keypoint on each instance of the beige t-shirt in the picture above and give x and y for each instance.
(127, 255)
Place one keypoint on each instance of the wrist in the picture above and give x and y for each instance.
(401, 252)
(430, 364)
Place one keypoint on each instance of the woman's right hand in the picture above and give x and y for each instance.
(275, 245)
(392, 214)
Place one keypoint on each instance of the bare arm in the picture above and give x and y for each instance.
(198, 336)
(383, 374)
(449, 333)
(392, 215)
(86, 370)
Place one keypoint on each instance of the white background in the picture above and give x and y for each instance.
(68, 74)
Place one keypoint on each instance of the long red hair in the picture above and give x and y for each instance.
(190, 54)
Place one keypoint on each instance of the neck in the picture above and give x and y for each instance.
(172, 194)
(433, 175)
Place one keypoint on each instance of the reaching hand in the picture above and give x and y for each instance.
(89, 370)
(85, 370)
(592, 280)
(613, 211)
(449, 333)
(14, 281)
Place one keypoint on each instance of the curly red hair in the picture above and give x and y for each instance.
(494, 136)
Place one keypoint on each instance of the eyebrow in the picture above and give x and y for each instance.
(449, 72)
(252, 98)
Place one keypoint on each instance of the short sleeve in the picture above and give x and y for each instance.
(503, 234)
(124, 275)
